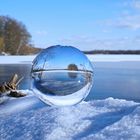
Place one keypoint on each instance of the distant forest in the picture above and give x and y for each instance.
(113, 52)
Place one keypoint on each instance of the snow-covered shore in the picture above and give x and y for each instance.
(95, 58)
(108, 119)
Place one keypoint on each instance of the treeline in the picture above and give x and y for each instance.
(113, 52)
(14, 38)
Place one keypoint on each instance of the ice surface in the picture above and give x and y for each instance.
(28, 118)
(94, 58)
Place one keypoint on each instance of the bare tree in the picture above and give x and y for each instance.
(14, 34)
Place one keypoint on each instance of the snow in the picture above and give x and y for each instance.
(29, 118)
(16, 59)
(113, 58)
(94, 58)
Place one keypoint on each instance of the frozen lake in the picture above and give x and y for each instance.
(111, 79)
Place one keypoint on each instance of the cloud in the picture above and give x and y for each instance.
(88, 43)
(129, 18)
(41, 33)
(124, 21)
(128, 21)
(136, 4)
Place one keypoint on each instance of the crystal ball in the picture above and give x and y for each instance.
(61, 75)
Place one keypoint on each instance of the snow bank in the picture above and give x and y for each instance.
(113, 58)
(17, 59)
(94, 58)
(111, 119)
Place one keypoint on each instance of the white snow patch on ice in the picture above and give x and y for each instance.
(94, 58)
(17, 59)
(113, 58)
(94, 120)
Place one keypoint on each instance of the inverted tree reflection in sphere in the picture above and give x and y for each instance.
(61, 75)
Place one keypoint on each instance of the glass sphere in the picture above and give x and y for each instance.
(61, 75)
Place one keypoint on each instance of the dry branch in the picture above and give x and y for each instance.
(10, 88)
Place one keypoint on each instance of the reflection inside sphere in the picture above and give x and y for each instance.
(61, 82)
(62, 75)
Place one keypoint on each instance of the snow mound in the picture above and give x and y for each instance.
(29, 118)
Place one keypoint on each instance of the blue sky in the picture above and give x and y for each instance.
(85, 24)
